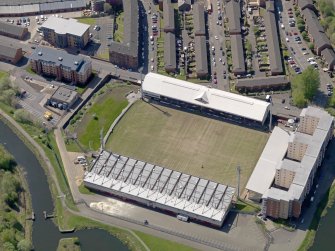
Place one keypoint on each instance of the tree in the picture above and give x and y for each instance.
(7, 246)
(305, 86)
(257, 32)
(10, 187)
(311, 46)
(22, 116)
(107, 8)
(24, 245)
(7, 161)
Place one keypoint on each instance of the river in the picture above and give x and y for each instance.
(45, 233)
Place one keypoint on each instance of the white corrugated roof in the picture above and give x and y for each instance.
(264, 172)
(65, 26)
(207, 97)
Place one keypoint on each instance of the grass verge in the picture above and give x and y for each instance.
(326, 202)
(246, 207)
(158, 244)
(97, 115)
(69, 244)
(87, 20)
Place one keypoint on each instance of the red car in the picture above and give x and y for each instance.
(290, 9)
(295, 33)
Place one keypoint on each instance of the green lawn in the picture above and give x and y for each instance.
(158, 244)
(3, 74)
(118, 35)
(69, 244)
(187, 142)
(105, 108)
(87, 20)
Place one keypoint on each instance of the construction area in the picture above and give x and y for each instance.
(160, 188)
(188, 143)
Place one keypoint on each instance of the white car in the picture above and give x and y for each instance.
(216, 37)
(220, 59)
(310, 59)
(305, 53)
(287, 40)
(213, 48)
(152, 59)
(152, 67)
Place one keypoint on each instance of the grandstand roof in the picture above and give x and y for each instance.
(217, 100)
(275, 149)
(199, 198)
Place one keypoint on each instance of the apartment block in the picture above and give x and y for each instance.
(125, 54)
(284, 175)
(63, 33)
(61, 65)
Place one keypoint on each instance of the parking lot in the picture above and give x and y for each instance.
(34, 95)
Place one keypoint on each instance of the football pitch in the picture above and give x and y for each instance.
(188, 143)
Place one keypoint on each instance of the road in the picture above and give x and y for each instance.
(217, 39)
(321, 97)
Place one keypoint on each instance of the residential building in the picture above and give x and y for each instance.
(199, 19)
(201, 60)
(306, 4)
(170, 57)
(125, 54)
(168, 16)
(328, 56)
(184, 5)
(63, 33)
(237, 52)
(13, 31)
(97, 5)
(316, 32)
(63, 98)
(273, 40)
(256, 3)
(61, 65)
(209, 101)
(283, 181)
(10, 54)
(233, 13)
(260, 84)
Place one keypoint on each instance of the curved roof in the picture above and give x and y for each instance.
(207, 97)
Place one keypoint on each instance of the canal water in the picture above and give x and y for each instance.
(324, 239)
(45, 233)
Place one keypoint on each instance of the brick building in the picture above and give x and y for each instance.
(61, 65)
(10, 54)
(13, 31)
(63, 33)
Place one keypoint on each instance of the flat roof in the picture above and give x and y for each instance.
(218, 100)
(60, 58)
(16, 30)
(201, 61)
(170, 57)
(271, 30)
(262, 81)
(65, 26)
(237, 53)
(199, 19)
(275, 149)
(64, 94)
(138, 180)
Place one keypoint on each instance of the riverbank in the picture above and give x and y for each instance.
(322, 208)
(15, 205)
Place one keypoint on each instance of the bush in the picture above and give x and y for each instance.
(23, 116)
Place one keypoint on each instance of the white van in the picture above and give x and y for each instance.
(182, 217)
